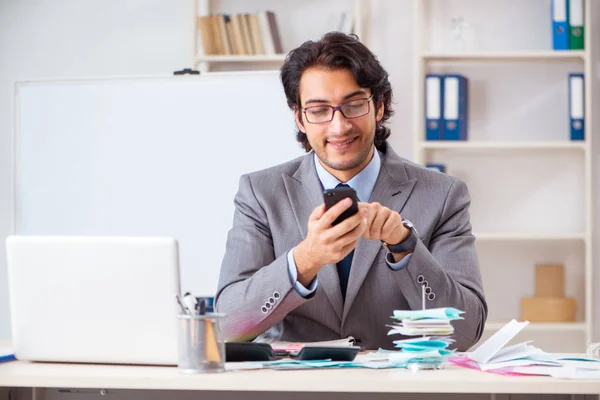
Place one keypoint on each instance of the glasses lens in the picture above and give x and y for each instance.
(356, 108)
(318, 114)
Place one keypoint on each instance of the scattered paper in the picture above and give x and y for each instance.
(490, 348)
(279, 345)
(434, 313)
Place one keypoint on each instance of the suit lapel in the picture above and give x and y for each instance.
(392, 190)
(305, 192)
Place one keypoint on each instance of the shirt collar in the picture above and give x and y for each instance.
(363, 182)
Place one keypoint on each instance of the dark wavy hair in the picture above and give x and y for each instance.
(336, 50)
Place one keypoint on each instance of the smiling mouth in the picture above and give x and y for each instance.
(341, 144)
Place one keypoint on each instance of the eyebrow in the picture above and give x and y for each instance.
(346, 97)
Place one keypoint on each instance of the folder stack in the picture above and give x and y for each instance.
(446, 107)
(568, 24)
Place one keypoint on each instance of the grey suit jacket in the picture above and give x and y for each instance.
(271, 217)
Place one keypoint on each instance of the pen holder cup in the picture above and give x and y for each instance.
(200, 346)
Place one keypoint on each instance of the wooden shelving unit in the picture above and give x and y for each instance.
(205, 62)
(424, 151)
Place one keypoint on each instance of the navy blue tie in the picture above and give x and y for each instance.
(343, 267)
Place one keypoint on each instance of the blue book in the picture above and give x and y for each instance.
(560, 24)
(434, 97)
(456, 105)
(577, 106)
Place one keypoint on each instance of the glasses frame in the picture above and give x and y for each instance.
(338, 108)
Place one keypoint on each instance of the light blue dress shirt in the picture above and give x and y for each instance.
(363, 183)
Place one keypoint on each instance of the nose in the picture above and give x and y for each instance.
(339, 124)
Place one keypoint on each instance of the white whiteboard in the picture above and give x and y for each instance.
(147, 156)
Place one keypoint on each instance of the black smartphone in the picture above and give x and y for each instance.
(332, 196)
(327, 353)
(248, 351)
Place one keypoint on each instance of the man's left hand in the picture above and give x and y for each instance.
(383, 224)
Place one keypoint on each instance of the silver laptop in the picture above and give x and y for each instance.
(94, 299)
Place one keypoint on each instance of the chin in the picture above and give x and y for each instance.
(342, 163)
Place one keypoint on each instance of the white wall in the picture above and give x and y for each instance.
(70, 38)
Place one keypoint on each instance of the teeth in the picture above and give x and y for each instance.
(341, 143)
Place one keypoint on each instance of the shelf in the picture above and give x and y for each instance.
(245, 59)
(467, 145)
(541, 326)
(507, 236)
(507, 56)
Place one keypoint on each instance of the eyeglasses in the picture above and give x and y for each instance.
(351, 109)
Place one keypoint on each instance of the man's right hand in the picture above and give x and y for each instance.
(325, 243)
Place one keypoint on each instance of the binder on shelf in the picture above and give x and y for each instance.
(437, 167)
(577, 106)
(560, 24)
(455, 110)
(576, 11)
(434, 97)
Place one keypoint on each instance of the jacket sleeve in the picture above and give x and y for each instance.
(449, 269)
(254, 290)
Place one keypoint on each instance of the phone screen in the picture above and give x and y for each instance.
(332, 196)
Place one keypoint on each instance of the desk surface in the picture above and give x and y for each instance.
(450, 380)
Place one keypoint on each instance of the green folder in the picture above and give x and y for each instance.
(576, 31)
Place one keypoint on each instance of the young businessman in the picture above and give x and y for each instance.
(289, 274)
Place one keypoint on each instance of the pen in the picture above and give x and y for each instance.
(200, 305)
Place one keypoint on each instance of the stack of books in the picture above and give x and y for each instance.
(240, 34)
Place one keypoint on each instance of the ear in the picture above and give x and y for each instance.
(380, 110)
(299, 120)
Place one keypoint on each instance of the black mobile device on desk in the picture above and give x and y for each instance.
(248, 351)
(333, 353)
(332, 196)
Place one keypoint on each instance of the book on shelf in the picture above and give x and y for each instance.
(240, 34)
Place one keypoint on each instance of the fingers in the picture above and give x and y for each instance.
(392, 223)
(381, 221)
(378, 222)
(330, 215)
(371, 212)
(317, 213)
(349, 240)
(347, 225)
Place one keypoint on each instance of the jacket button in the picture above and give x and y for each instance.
(420, 279)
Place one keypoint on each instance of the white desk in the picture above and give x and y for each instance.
(450, 380)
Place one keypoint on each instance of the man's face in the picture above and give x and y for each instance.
(344, 145)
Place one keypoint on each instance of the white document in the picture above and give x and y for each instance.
(560, 372)
(517, 351)
(296, 346)
(491, 347)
